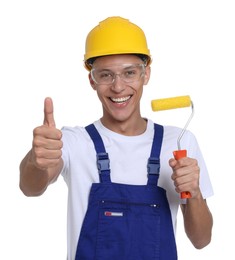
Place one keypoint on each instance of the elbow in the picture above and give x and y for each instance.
(201, 243)
(30, 193)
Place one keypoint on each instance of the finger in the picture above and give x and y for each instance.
(48, 113)
(172, 162)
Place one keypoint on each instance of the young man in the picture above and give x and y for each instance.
(123, 183)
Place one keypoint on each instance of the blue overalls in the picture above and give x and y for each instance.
(127, 222)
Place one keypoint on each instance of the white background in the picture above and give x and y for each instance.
(41, 54)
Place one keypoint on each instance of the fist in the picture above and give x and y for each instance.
(47, 143)
(185, 175)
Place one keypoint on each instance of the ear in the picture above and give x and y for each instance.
(92, 83)
(147, 75)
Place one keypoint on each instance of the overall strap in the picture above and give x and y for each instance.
(102, 156)
(154, 159)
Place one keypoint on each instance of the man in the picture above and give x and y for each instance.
(123, 184)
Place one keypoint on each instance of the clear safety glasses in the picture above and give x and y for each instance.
(130, 73)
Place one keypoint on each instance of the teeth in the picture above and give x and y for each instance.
(120, 100)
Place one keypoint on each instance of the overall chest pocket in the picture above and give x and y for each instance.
(128, 231)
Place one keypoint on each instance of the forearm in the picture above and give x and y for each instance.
(34, 181)
(198, 221)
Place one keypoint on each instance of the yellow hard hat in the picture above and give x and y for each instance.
(115, 35)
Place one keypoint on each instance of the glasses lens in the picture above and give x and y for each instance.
(130, 73)
(102, 76)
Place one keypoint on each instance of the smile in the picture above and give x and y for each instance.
(120, 100)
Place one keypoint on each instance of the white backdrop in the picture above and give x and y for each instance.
(41, 53)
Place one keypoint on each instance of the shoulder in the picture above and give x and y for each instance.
(175, 132)
(74, 137)
(73, 132)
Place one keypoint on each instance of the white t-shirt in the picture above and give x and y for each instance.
(128, 162)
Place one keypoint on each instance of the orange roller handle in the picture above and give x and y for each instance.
(180, 154)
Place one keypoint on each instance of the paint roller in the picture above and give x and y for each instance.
(172, 103)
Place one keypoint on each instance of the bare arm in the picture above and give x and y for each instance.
(43, 163)
(198, 219)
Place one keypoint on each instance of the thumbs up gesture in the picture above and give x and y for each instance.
(47, 143)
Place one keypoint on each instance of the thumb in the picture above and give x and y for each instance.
(48, 113)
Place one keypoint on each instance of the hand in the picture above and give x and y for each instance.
(47, 143)
(185, 175)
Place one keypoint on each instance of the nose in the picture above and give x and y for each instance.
(118, 84)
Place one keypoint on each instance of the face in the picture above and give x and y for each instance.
(121, 98)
